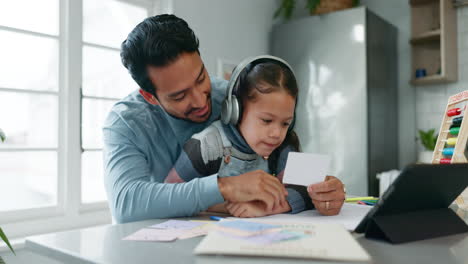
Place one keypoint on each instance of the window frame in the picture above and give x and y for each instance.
(69, 212)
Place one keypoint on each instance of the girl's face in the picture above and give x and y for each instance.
(265, 121)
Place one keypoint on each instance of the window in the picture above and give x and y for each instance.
(60, 74)
(105, 81)
(29, 100)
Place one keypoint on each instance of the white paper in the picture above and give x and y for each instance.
(152, 234)
(305, 168)
(349, 217)
(326, 241)
(197, 231)
(176, 224)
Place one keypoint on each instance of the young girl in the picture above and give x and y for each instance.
(255, 134)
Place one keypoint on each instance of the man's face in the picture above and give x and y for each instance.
(183, 87)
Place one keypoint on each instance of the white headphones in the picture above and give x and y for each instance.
(230, 109)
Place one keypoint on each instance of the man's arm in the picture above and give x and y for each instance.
(131, 194)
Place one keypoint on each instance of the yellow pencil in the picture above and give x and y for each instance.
(355, 199)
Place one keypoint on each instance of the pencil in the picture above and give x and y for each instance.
(355, 199)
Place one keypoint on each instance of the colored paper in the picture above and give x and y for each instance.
(305, 168)
(325, 242)
(245, 228)
(268, 238)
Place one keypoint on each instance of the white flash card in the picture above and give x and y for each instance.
(305, 168)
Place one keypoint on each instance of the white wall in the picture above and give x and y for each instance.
(231, 30)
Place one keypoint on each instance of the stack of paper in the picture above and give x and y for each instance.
(315, 241)
(171, 230)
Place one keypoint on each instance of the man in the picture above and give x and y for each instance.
(144, 133)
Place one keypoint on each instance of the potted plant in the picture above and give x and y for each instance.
(2, 135)
(315, 7)
(2, 234)
(428, 140)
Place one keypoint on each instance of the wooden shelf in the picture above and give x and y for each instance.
(433, 41)
(426, 37)
(433, 79)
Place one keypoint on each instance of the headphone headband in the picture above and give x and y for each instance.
(239, 68)
(230, 109)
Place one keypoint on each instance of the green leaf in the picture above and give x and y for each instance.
(278, 12)
(428, 138)
(312, 5)
(2, 261)
(286, 8)
(5, 239)
(2, 135)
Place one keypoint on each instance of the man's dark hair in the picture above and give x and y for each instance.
(157, 41)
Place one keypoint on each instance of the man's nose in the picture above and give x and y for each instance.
(198, 99)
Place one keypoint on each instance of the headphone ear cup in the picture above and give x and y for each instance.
(234, 118)
(226, 111)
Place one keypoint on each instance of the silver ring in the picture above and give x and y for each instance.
(327, 205)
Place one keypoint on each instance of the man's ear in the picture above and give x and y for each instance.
(151, 99)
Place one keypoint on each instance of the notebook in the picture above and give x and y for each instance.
(318, 241)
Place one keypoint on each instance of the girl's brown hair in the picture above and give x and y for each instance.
(266, 76)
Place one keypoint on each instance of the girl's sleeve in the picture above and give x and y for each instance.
(191, 163)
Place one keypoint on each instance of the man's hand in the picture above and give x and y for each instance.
(254, 185)
(327, 196)
(254, 209)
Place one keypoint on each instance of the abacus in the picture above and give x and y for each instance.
(451, 146)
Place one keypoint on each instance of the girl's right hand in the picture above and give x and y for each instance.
(247, 209)
(254, 209)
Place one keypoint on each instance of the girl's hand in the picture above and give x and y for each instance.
(254, 209)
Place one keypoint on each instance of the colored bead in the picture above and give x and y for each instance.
(454, 130)
(454, 112)
(445, 161)
(457, 120)
(448, 151)
(452, 141)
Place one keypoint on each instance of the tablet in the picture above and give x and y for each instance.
(420, 187)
